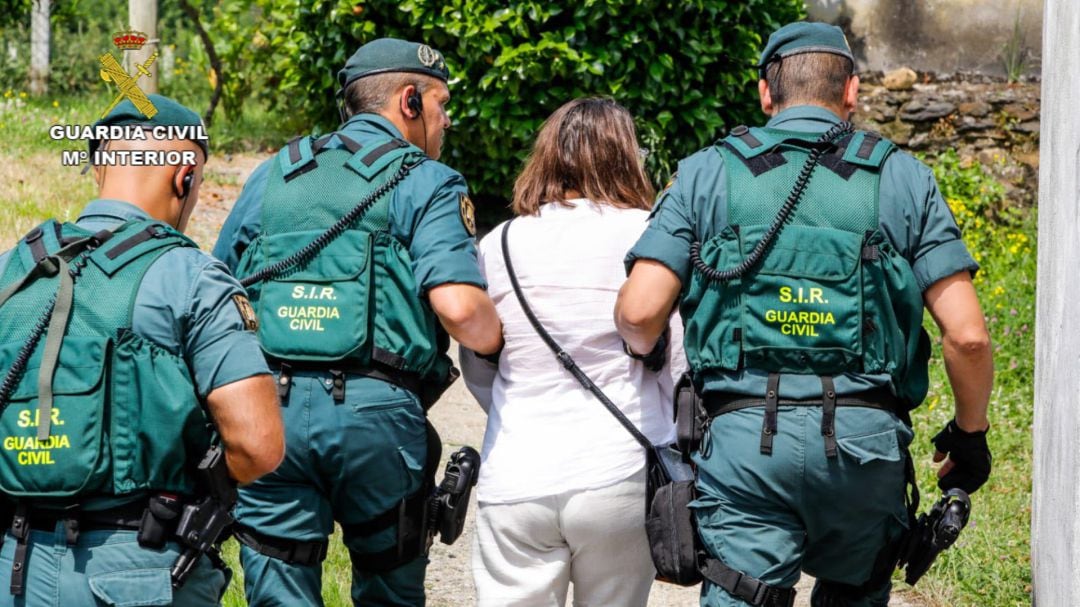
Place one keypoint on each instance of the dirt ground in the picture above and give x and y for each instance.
(457, 416)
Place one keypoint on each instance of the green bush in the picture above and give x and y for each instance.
(684, 69)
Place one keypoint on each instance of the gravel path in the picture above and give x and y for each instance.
(457, 416)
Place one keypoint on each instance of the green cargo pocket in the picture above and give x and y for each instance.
(714, 328)
(405, 333)
(133, 588)
(319, 311)
(879, 446)
(157, 424)
(74, 458)
(411, 456)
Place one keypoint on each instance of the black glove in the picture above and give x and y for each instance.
(655, 359)
(970, 454)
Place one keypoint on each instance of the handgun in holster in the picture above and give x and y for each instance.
(204, 522)
(934, 531)
(690, 417)
(450, 501)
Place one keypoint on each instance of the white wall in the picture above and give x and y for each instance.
(935, 35)
(1055, 532)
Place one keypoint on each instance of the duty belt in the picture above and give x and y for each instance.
(27, 517)
(716, 404)
(337, 371)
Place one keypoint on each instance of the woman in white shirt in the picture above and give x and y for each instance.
(562, 485)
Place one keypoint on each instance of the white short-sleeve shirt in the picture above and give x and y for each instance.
(545, 434)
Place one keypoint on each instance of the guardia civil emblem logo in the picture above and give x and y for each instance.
(126, 85)
(427, 55)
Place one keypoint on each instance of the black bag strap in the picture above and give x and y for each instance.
(563, 357)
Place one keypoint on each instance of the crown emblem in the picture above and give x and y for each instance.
(129, 40)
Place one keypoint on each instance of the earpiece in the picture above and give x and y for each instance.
(415, 103)
(185, 185)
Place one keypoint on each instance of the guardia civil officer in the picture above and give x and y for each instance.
(122, 348)
(807, 344)
(358, 247)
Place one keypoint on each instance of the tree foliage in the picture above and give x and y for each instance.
(683, 68)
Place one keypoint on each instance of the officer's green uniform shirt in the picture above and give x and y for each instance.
(184, 305)
(425, 215)
(913, 215)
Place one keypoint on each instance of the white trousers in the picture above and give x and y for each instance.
(526, 554)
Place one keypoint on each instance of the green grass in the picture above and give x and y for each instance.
(990, 565)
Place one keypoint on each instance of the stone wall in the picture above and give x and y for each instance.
(988, 122)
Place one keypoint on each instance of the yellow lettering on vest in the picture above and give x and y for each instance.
(817, 296)
(30, 419)
(306, 324)
(302, 292)
(785, 294)
(799, 330)
(35, 458)
(23, 443)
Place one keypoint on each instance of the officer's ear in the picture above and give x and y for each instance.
(766, 98)
(411, 102)
(851, 95)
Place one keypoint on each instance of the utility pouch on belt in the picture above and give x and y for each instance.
(159, 521)
(690, 417)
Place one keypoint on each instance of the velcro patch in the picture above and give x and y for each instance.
(247, 313)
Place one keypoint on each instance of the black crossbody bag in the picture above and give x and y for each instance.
(669, 484)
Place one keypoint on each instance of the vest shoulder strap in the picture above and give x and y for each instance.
(373, 158)
(38, 243)
(868, 149)
(297, 157)
(751, 142)
(133, 240)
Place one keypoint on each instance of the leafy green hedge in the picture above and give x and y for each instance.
(682, 68)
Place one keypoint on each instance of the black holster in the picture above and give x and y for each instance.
(690, 417)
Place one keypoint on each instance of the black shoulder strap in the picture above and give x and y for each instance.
(562, 355)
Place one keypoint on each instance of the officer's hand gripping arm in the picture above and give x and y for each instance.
(645, 303)
(468, 315)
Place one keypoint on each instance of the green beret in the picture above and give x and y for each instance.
(804, 37)
(387, 55)
(169, 113)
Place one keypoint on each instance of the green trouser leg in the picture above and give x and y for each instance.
(346, 462)
(796, 510)
(104, 568)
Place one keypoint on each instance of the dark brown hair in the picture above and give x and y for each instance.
(814, 78)
(588, 145)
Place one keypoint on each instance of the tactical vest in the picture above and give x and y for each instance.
(832, 295)
(97, 410)
(355, 300)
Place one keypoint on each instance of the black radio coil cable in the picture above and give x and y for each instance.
(22, 358)
(823, 143)
(310, 250)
